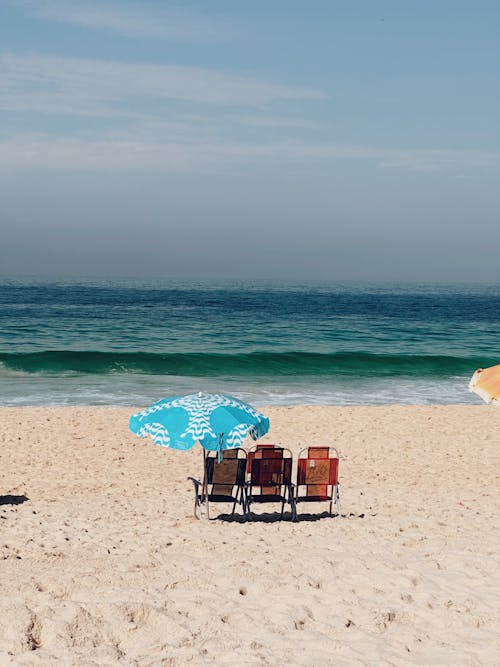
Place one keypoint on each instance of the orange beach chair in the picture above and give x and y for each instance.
(318, 477)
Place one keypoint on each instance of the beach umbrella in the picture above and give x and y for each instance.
(217, 421)
(486, 383)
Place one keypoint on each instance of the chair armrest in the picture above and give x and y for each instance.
(196, 483)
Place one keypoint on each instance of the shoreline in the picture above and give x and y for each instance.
(103, 562)
(271, 406)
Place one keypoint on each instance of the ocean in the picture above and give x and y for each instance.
(134, 342)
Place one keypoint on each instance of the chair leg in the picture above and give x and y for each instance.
(197, 498)
(337, 501)
(243, 501)
(234, 506)
(197, 508)
(293, 504)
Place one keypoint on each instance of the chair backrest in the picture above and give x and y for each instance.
(317, 470)
(270, 468)
(229, 472)
(256, 451)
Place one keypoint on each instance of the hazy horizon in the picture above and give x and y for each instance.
(194, 282)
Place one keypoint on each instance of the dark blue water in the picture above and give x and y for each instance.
(132, 343)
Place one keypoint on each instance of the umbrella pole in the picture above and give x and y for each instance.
(205, 482)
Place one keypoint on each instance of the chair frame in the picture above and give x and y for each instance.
(332, 486)
(259, 454)
(210, 461)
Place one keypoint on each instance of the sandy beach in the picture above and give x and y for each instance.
(103, 563)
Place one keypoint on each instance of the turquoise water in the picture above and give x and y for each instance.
(131, 343)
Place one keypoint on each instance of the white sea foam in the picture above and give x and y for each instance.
(139, 390)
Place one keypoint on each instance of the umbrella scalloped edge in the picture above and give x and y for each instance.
(482, 393)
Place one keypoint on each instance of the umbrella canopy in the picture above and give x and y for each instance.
(216, 421)
(486, 383)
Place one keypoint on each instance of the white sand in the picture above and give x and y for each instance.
(105, 564)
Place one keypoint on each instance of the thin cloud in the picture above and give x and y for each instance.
(130, 19)
(277, 122)
(91, 87)
(39, 151)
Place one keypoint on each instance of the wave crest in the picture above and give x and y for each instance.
(255, 364)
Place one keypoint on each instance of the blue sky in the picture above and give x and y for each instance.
(278, 139)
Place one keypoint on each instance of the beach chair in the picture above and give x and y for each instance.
(270, 477)
(254, 450)
(224, 481)
(318, 477)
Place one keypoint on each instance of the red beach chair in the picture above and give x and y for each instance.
(270, 476)
(318, 476)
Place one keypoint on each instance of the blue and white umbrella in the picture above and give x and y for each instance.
(217, 421)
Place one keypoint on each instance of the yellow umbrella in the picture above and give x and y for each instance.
(486, 383)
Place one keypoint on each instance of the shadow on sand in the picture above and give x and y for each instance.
(274, 517)
(13, 500)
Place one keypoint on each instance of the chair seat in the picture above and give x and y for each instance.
(312, 499)
(218, 498)
(267, 498)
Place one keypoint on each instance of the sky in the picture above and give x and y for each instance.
(274, 139)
